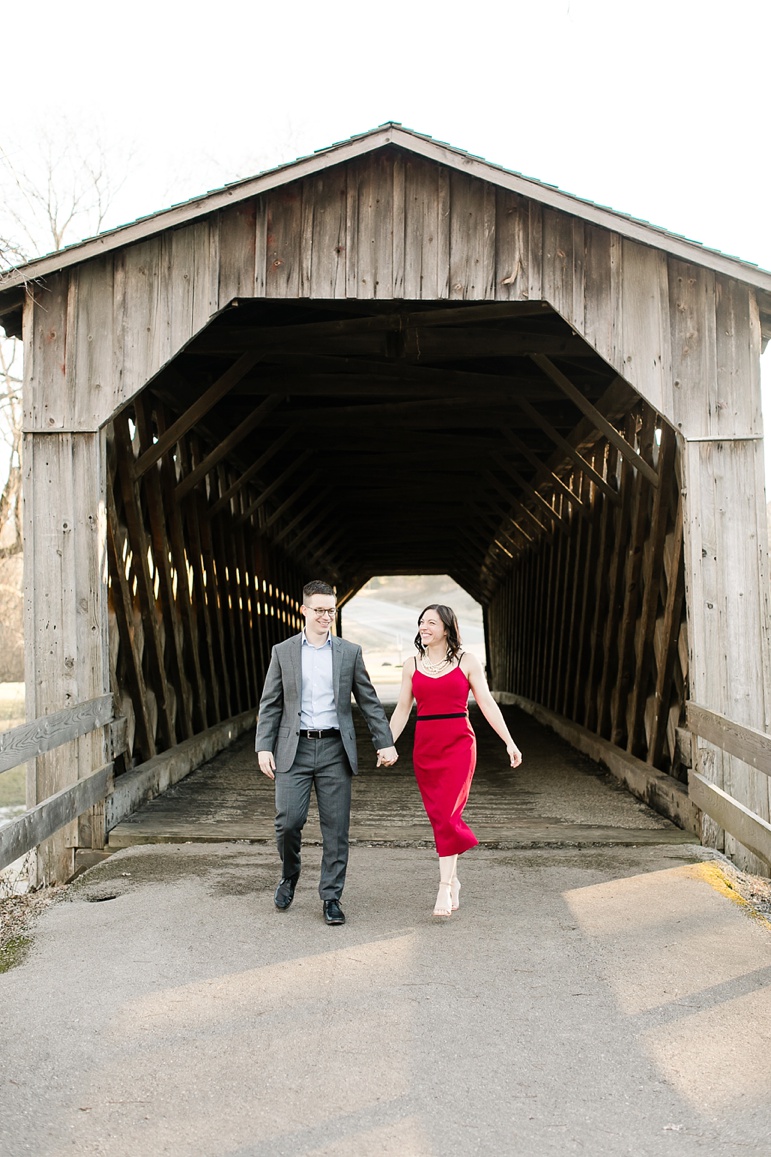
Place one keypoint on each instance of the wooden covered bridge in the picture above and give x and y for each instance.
(392, 357)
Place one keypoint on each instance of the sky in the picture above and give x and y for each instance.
(656, 109)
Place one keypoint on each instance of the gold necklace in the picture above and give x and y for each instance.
(435, 668)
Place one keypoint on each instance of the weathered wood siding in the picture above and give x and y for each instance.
(394, 226)
(65, 617)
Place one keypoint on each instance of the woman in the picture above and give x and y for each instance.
(444, 755)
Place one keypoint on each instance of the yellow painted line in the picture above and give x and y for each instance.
(714, 875)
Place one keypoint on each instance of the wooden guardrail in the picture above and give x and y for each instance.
(752, 747)
(32, 739)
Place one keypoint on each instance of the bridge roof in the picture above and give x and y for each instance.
(388, 135)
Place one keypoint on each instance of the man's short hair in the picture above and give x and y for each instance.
(317, 587)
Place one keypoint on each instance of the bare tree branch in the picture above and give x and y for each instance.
(56, 187)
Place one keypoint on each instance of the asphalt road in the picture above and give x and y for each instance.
(605, 1001)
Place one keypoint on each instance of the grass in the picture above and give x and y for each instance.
(13, 952)
(13, 787)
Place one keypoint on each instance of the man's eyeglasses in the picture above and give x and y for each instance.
(320, 612)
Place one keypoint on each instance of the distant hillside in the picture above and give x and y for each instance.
(420, 590)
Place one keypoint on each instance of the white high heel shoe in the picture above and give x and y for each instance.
(455, 893)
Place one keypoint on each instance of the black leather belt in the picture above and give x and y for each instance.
(453, 715)
(319, 733)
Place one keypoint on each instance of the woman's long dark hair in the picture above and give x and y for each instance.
(447, 615)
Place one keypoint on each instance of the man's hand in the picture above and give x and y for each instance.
(387, 757)
(267, 763)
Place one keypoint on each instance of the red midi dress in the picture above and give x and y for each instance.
(444, 757)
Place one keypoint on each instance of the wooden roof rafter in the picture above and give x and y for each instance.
(595, 416)
(543, 475)
(193, 414)
(250, 474)
(215, 456)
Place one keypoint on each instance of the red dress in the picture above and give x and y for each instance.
(444, 757)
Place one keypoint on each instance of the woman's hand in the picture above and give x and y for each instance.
(514, 754)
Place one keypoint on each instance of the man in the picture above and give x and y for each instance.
(305, 736)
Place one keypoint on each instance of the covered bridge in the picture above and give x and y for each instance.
(392, 357)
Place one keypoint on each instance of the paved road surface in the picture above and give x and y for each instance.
(590, 997)
(606, 1002)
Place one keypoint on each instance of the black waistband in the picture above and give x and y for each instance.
(319, 733)
(452, 715)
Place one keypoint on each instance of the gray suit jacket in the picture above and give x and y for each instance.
(278, 722)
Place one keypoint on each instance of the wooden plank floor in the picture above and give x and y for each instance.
(557, 798)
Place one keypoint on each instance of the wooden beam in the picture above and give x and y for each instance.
(539, 499)
(246, 693)
(201, 602)
(223, 385)
(516, 502)
(569, 450)
(159, 518)
(396, 321)
(140, 548)
(21, 835)
(248, 613)
(181, 562)
(543, 472)
(580, 531)
(227, 444)
(268, 491)
(32, 739)
(640, 522)
(424, 377)
(212, 568)
(409, 342)
(288, 502)
(614, 603)
(744, 825)
(745, 743)
(594, 415)
(599, 607)
(123, 605)
(324, 494)
(653, 563)
(331, 538)
(670, 634)
(394, 412)
(247, 476)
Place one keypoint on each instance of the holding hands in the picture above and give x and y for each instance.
(386, 757)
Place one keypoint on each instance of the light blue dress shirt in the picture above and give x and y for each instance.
(318, 708)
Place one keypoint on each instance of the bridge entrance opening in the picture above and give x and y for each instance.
(488, 443)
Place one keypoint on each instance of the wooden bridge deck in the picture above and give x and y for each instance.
(557, 798)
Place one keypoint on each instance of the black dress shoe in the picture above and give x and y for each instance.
(284, 894)
(333, 913)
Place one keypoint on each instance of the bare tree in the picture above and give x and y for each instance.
(57, 186)
(10, 439)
